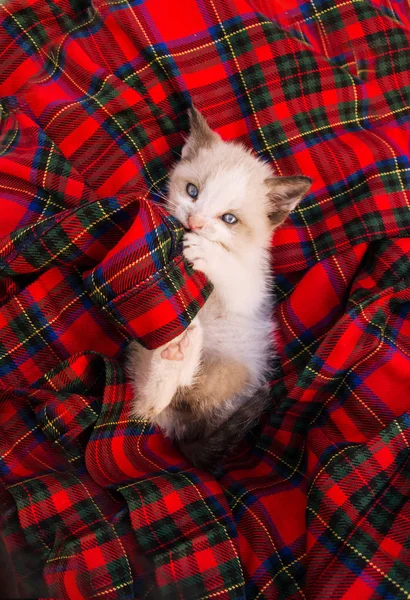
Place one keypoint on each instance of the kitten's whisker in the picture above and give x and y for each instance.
(157, 191)
(150, 188)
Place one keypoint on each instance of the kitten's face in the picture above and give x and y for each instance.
(224, 193)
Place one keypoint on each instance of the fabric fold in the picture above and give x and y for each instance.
(94, 98)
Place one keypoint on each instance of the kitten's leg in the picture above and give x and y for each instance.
(156, 379)
(211, 450)
(192, 354)
(188, 349)
(155, 382)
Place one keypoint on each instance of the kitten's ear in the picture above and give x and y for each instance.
(200, 135)
(284, 194)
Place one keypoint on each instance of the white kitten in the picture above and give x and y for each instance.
(208, 386)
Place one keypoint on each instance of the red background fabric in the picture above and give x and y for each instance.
(315, 504)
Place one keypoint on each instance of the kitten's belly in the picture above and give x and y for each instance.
(236, 337)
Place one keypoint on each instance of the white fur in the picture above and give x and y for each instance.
(156, 380)
(237, 319)
(236, 322)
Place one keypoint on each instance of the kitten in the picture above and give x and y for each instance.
(209, 385)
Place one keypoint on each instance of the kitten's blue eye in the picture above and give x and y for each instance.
(229, 218)
(192, 190)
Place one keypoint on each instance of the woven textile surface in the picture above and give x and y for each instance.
(316, 502)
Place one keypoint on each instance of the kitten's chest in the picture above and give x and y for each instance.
(214, 316)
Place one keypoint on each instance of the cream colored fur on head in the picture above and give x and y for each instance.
(230, 202)
(230, 179)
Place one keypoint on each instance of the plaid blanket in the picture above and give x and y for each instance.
(316, 503)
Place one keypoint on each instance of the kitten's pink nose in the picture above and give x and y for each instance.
(195, 222)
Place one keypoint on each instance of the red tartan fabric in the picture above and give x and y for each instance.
(316, 503)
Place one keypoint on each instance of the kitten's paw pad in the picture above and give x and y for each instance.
(175, 351)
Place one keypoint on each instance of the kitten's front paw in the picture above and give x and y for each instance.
(195, 251)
